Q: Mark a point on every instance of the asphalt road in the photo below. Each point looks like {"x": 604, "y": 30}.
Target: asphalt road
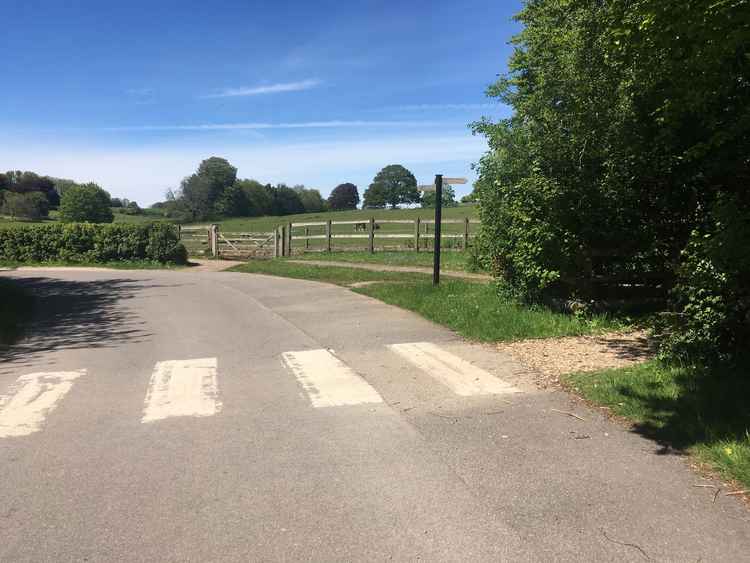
{"x": 177, "y": 416}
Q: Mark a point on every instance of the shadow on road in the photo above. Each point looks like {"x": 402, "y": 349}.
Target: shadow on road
{"x": 78, "y": 314}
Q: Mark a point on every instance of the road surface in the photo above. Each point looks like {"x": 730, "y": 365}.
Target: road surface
{"x": 178, "y": 416}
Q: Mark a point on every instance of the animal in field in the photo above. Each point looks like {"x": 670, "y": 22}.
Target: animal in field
{"x": 363, "y": 227}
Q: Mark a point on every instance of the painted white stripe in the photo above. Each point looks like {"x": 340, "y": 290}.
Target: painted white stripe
{"x": 328, "y": 381}
{"x": 462, "y": 377}
{"x": 32, "y": 398}
{"x": 182, "y": 388}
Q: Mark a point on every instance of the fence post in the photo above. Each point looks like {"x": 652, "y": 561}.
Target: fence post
{"x": 328, "y": 235}
{"x": 276, "y": 242}
{"x": 307, "y": 238}
{"x": 213, "y": 236}
{"x": 283, "y": 240}
{"x": 372, "y": 235}
{"x": 466, "y": 233}
{"x": 289, "y": 244}
{"x": 417, "y": 222}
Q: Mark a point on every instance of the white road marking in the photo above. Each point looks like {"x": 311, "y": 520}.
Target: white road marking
{"x": 182, "y": 388}
{"x": 328, "y": 381}
{"x": 32, "y": 398}
{"x": 462, "y": 377}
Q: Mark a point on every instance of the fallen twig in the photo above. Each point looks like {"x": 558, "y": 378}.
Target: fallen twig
{"x": 569, "y": 414}
{"x": 634, "y": 546}
{"x": 745, "y": 492}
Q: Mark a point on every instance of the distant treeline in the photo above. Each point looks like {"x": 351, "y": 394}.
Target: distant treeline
{"x": 215, "y": 191}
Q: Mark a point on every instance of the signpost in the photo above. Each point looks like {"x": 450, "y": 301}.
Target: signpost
{"x": 437, "y": 187}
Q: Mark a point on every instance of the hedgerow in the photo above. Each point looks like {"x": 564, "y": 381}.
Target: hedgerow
{"x": 86, "y": 243}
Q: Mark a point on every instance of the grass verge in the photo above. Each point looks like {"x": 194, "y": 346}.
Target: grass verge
{"x": 329, "y": 274}
{"x": 16, "y": 307}
{"x": 701, "y": 411}
{"x": 475, "y": 311}
{"x": 453, "y": 261}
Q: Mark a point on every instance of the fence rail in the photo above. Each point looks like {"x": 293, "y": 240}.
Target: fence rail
{"x": 379, "y": 234}
{"x": 326, "y": 236}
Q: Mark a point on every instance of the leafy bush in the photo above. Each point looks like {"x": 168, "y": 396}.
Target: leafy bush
{"x": 32, "y": 205}
{"x": 86, "y": 204}
{"x": 82, "y": 242}
{"x": 712, "y": 294}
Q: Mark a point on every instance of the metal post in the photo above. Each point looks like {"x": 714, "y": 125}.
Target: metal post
{"x": 307, "y": 238}
{"x": 289, "y": 244}
{"x": 328, "y": 235}
{"x": 417, "y": 222}
{"x": 283, "y": 240}
{"x": 276, "y": 242}
{"x": 466, "y": 233}
{"x": 438, "y": 228}
{"x": 372, "y": 235}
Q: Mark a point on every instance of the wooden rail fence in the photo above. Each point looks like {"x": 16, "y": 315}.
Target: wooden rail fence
{"x": 383, "y": 234}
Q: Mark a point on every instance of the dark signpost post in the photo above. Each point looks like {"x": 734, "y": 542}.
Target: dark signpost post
{"x": 438, "y": 188}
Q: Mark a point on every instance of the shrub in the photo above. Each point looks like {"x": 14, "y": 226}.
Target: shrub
{"x": 86, "y": 204}
{"x": 82, "y": 242}
{"x": 32, "y": 205}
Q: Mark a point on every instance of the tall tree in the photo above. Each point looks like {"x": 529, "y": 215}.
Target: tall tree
{"x": 395, "y": 184}
{"x": 343, "y": 197}
{"x": 311, "y": 199}
{"x": 87, "y": 203}
{"x": 449, "y": 197}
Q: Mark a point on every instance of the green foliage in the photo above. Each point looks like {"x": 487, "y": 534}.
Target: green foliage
{"x": 311, "y": 199}
{"x": 30, "y": 182}
{"x": 631, "y": 125}
{"x": 85, "y": 242}
{"x": 201, "y": 191}
{"x": 393, "y": 185}
{"x": 344, "y": 196}
{"x": 258, "y": 197}
{"x": 449, "y": 198}
{"x": 285, "y": 200}
{"x": 87, "y": 203}
{"x": 31, "y": 205}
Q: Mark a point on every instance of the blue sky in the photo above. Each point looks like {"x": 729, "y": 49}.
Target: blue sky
{"x": 134, "y": 94}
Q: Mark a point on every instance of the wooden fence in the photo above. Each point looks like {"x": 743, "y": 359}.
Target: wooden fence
{"x": 210, "y": 241}
{"x": 371, "y": 235}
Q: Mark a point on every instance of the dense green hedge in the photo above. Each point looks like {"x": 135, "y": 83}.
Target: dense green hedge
{"x": 84, "y": 242}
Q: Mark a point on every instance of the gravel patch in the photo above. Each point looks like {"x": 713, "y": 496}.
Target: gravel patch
{"x": 553, "y": 357}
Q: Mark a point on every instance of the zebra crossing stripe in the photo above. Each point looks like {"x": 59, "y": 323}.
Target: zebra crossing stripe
{"x": 328, "y": 381}
{"x": 462, "y": 377}
{"x": 182, "y": 388}
{"x": 33, "y": 397}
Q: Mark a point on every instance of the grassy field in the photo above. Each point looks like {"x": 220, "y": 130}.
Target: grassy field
{"x": 453, "y": 261}
{"x": 269, "y": 223}
{"x": 696, "y": 410}
{"x": 148, "y": 216}
{"x": 16, "y": 307}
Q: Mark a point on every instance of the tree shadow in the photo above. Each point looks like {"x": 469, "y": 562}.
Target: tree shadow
{"x": 77, "y": 315}
{"x": 711, "y": 404}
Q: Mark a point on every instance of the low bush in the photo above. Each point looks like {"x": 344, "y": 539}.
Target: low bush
{"x": 83, "y": 242}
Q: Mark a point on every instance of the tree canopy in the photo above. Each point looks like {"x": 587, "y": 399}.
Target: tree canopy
{"x": 394, "y": 185}
{"x": 344, "y": 197}
{"x": 630, "y": 136}
{"x": 87, "y": 203}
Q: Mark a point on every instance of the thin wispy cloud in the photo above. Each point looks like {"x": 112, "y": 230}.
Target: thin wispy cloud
{"x": 261, "y": 126}
{"x": 436, "y": 107}
{"x": 266, "y": 89}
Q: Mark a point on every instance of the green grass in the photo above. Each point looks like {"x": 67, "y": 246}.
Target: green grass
{"x": 696, "y": 410}
{"x": 16, "y": 306}
{"x": 475, "y": 311}
{"x": 329, "y": 274}
{"x": 453, "y": 261}
{"x": 269, "y": 223}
